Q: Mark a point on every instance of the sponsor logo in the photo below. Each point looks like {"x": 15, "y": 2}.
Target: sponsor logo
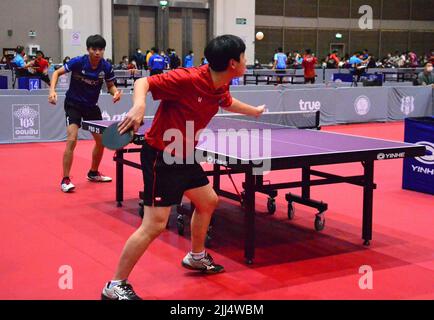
{"x": 427, "y": 159}
{"x": 309, "y": 105}
{"x": 26, "y": 121}
{"x": 117, "y": 117}
{"x": 387, "y": 156}
{"x": 407, "y": 105}
{"x": 362, "y": 105}
{"x": 101, "y": 75}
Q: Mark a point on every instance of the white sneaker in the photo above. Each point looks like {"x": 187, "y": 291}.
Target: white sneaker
{"x": 66, "y": 185}
{"x": 98, "y": 177}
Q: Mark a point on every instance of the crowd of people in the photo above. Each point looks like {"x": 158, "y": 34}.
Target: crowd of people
{"x": 407, "y": 59}
{"x": 357, "y": 63}
{"x": 156, "y": 61}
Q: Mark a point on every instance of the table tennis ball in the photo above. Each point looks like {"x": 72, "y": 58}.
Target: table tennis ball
{"x": 259, "y": 36}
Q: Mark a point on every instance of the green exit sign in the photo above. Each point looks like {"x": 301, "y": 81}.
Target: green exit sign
{"x": 241, "y": 21}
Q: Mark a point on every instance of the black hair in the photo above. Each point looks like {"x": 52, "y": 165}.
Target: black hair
{"x": 155, "y": 49}
{"x": 95, "y": 41}
{"x": 40, "y": 52}
{"x": 222, "y": 49}
{"x": 308, "y": 51}
{"x": 19, "y": 49}
{"x": 280, "y": 49}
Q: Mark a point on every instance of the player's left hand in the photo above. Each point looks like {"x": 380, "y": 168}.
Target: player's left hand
{"x": 117, "y": 96}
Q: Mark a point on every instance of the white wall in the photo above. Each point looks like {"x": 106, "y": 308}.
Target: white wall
{"x": 21, "y": 17}
{"x": 89, "y": 17}
{"x": 225, "y": 15}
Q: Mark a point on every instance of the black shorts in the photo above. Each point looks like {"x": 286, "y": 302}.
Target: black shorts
{"x": 155, "y": 71}
{"x": 309, "y": 80}
{"x": 164, "y": 184}
{"x": 75, "y": 113}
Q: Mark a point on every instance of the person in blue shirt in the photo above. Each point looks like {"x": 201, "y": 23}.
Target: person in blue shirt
{"x": 279, "y": 65}
{"x": 357, "y": 66}
{"x": 88, "y": 75}
{"x": 20, "y": 64}
{"x": 189, "y": 60}
{"x": 156, "y": 63}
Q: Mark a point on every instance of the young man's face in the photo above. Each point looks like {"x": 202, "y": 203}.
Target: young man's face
{"x": 96, "y": 53}
{"x": 240, "y": 67}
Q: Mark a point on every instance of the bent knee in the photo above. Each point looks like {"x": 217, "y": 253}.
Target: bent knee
{"x": 210, "y": 204}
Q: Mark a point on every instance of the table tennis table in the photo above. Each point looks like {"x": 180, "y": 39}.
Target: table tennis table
{"x": 273, "y": 77}
{"x": 402, "y": 74}
{"x": 289, "y": 148}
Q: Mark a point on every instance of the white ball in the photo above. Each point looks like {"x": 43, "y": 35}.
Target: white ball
{"x": 259, "y": 36}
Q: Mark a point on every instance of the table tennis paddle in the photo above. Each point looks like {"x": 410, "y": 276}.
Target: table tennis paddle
{"x": 113, "y": 140}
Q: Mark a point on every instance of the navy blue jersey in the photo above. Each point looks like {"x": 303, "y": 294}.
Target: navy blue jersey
{"x": 86, "y": 83}
{"x": 156, "y": 62}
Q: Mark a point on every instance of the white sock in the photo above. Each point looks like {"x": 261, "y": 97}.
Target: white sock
{"x": 114, "y": 283}
{"x": 198, "y": 256}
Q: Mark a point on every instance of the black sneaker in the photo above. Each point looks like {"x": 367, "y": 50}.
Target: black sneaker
{"x": 121, "y": 291}
{"x": 205, "y": 265}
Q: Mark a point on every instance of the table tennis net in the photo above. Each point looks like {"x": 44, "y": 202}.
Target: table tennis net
{"x": 272, "y": 120}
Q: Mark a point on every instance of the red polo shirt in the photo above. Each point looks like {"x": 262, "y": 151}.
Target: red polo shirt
{"x": 186, "y": 95}
{"x": 309, "y": 63}
{"x": 41, "y": 65}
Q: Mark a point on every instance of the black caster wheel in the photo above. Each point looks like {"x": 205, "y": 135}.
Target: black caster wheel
{"x": 319, "y": 223}
{"x": 119, "y": 204}
{"x": 271, "y": 206}
{"x": 291, "y": 211}
{"x": 180, "y": 225}
{"x": 141, "y": 212}
{"x": 249, "y": 262}
{"x": 367, "y": 243}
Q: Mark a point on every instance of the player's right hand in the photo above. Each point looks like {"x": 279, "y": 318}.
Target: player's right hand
{"x": 133, "y": 119}
{"x": 52, "y": 97}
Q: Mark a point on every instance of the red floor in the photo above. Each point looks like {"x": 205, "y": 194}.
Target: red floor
{"x": 44, "y": 229}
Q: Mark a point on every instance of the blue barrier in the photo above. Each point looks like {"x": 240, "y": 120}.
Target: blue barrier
{"x": 29, "y": 83}
{"x": 3, "y": 82}
{"x": 419, "y": 172}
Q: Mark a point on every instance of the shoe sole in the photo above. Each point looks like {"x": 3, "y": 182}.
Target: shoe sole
{"x": 105, "y": 298}
{"x": 69, "y": 190}
{"x": 205, "y": 271}
{"x": 98, "y": 181}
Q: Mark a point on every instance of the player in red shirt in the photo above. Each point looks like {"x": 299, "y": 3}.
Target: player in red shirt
{"x": 308, "y": 64}
{"x": 40, "y": 67}
{"x": 193, "y": 94}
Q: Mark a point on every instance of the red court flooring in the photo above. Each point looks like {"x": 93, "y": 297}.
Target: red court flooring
{"x": 44, "y": 229}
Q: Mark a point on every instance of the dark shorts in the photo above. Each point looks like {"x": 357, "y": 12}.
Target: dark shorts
{"x": 155, "y": 71}
{"x": 309, "y": 80}
{"x": 164, "y": 184}
{"x": 75, "y": 113}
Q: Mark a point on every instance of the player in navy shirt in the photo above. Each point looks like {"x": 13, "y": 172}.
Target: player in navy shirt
{"x": 156, "y": 63}
{"x": 88, "y": 75}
